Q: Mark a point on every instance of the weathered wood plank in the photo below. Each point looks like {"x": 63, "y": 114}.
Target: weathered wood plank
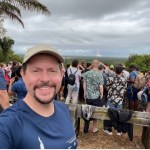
{"x": 138, "y": 118}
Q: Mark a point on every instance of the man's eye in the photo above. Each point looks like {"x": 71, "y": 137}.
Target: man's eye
{"x": 52, "y": 70}
{"x": 35, "y": 71}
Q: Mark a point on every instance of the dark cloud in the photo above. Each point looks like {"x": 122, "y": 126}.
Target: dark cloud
{"x": 84, "y": 27}
{"x": 88, "y": 9}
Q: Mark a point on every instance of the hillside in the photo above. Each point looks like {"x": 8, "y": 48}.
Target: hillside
{"x": 108, "y": 60}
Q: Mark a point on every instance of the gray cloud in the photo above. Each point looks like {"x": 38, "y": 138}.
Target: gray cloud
{"x": 84, "y": 27}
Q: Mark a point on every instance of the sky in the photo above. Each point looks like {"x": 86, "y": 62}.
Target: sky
{"x": 104, "y": 28}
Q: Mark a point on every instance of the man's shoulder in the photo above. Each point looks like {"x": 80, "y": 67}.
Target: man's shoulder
{"x": 125, "y": 72}
{"x": 88, "y": 73}
{"x": 72, "y": 69}
{"x": 10, "y": 115}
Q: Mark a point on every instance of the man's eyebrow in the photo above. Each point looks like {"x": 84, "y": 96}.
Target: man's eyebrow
{"x": 46, "y": 68}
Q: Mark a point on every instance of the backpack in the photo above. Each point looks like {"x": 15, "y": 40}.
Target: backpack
{"x": 145, "y": 96}
{"x": 148, "y": 83}
{"x": 140, "y": 81}
{"x": 72, "y": 77}
{"x": 105, "y": 78}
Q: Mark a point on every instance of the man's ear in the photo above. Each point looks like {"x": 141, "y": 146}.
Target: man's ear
{"x": 22, "y": 72}
{"x": 63, "y": 72}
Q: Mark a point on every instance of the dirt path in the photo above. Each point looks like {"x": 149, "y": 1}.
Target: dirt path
{"x": 101, "y": 140}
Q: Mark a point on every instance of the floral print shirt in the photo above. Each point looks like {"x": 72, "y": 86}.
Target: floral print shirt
{"x": 117, "y": 87}
{"x": 93, "y": 79}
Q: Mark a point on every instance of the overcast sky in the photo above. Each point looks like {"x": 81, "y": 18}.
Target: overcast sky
{"x": 110, "y": 28}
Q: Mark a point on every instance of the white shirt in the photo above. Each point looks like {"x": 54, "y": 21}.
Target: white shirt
{"x": 77, "y": 74}
{"x": 125, "y": 74}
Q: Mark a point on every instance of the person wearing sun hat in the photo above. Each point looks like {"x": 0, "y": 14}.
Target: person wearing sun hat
{"x": 38, "y": 121}
{"x": 111, "y": 67}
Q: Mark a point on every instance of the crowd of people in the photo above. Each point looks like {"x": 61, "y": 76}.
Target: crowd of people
{"x": 42, "y": 78}
{"x": 108, "y": 86}
{"x": 119, "y": 87}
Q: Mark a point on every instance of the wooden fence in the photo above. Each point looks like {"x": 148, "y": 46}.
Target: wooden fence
{"x": 138, "y": 118}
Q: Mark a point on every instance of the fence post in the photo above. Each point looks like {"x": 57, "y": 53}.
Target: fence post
{"x": 146, "y": 137}
{"x": 75, "y": 120}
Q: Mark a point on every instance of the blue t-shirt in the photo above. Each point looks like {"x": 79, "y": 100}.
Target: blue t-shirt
{"x": 2, "y": 81}
{"x": 132, "y": 74}
{"x": 19, "y": 88}
{"x": 22, "y": 128}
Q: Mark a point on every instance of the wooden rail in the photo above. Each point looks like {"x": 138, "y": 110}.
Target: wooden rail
{"x": 138, "y": 118}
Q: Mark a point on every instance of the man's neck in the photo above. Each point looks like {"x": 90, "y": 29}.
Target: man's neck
{"x": 45, "y": 110}
{"x": 95, "y": 69}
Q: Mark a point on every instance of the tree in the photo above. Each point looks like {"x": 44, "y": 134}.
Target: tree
{"x": 11, "y": 8}
{"x": 14, "y": 56}
{"x": 6, "y": 44}
{"x": 141, "y": 61}
{"x": 2, "y": 29}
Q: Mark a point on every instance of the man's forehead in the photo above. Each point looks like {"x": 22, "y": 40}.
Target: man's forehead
{"x": 39, "y": 57}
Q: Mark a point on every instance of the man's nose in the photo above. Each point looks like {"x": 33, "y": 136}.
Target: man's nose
{"x": 45, "y": 76}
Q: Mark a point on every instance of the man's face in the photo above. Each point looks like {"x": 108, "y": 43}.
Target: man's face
{"x": 43, "y": 78}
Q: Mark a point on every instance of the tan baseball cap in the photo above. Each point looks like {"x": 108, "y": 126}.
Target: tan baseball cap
{"x": 40, "y": 49}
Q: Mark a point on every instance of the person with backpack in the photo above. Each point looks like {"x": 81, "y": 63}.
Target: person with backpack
{"x": 144, "y": 97}
{"x": 140, "y": 81}
{"x": 132, "y": 90}
{"x": 74, "y": 76}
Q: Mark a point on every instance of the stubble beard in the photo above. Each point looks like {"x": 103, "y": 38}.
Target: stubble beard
{"x": 41, "y": 101}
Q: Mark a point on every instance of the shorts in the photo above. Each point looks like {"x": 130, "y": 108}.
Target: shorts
{"x": 111, "y": 105}
{"x": 94, "y": 102}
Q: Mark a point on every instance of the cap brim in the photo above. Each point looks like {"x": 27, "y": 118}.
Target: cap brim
{"x": 42, "y": 49}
